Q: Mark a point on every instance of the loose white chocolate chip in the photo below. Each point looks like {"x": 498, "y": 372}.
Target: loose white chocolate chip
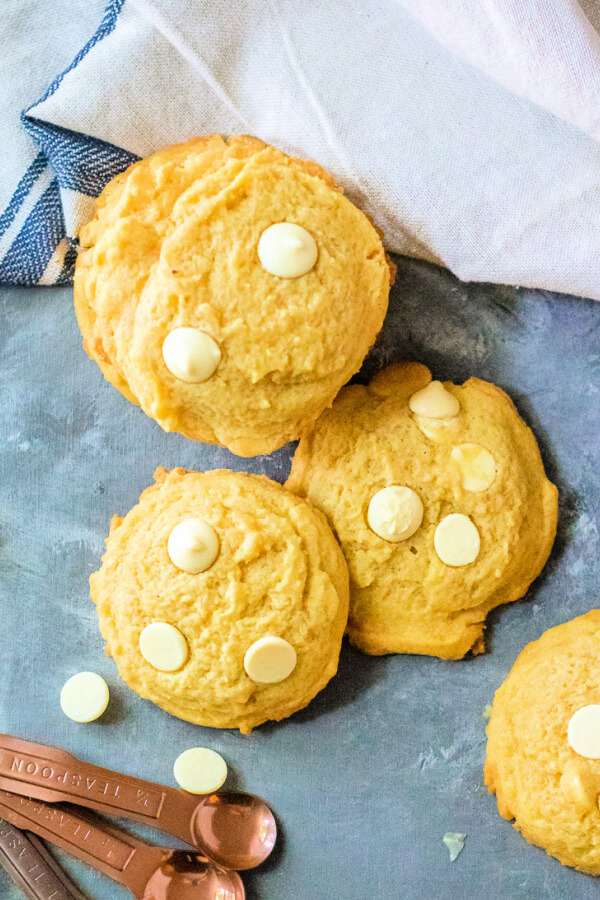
{"x": 477, "y": 466}
{"x": 287, "y": 250}
{"x": 395, "y": 513}
{"x": 164, "y": 647}
{"x": 270, "y": 660}
{"x": 84, "y": 697}
{"x": 583, "y": 732}
{"x": 193, "y": 546}
{"x": 190, "y": 354}
{"x": 434, "y": 402}
{"x": 200, "y": 770}
{"x": 456, "y": 540}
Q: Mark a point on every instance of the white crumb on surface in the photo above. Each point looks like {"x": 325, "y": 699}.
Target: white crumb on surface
{"x": 454, "y": 841}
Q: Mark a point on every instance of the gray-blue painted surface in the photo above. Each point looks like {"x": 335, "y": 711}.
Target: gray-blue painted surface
{"x": 389, "y": 757}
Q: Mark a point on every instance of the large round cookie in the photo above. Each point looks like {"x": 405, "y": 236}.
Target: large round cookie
{"x": 540, "y": 780}
{"x": 279, "y": 573}
{"x": 474, "y": 474}
{"x": 175, "y": 244}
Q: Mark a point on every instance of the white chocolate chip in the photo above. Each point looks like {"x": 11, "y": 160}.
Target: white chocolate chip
{"x": 477, "y": 466}
{"x": 270, "y": 660}
{"x": 164, "y": 647}
{"x": 200, "y": 770}
{"x": 434, "y": 402}
{"x": 457, "y": 540}
{"x": 442, "y": 431}
{"x": 287, "y": 250}
{"x": 580, "y": 786}
{"x": 84, "y": 697}
{"x": 190, "y": 354}
{"x": 583, "y": 732}
{"x": 193, "y": 546}
{"x": 395, "y": 513}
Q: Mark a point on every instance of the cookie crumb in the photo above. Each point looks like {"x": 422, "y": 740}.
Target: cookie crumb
{"x": 454, "y": 841}
{"x": 487, "y": 713}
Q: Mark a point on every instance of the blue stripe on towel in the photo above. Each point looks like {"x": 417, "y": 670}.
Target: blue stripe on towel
{"x": 32, "y": 249}
{"x": 24, "y": 186}
{"x": 81, "y": 163}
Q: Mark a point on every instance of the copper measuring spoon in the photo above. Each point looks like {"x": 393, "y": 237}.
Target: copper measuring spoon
{"x": 150, "y": 873}
{"x": 32, "y": 868}
{"x": 236, "y": 830}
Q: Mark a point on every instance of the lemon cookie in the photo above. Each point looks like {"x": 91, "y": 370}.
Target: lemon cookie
{"x": 229, "y": 290}
{"x": 223, "y": 598}
{"x": 438, "y": 496}
{"x": 543, "y": 753}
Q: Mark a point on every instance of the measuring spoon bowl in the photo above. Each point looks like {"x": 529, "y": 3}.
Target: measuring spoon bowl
{"x": 150, "y": 873}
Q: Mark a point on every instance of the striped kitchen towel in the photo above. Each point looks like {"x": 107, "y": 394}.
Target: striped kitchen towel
{"x": 470, "y": 132}
{"x": 54, "y": 197}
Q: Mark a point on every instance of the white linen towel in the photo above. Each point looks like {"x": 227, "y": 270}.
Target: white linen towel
{"x": 468, "y": 130}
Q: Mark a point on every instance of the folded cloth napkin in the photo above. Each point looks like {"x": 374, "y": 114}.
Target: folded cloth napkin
{"x": 468, "y": 130}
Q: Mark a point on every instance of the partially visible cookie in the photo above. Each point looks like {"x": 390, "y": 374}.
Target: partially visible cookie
{"x": 230, "y": 290}
{"x": 543, "y": 752}
{"x": 438, "y": 497}
{"x": 223, "y": 598}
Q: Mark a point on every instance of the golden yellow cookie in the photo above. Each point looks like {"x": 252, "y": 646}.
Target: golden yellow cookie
{"x": 175, "y": 244}
{"x": 251, "y": 629}
{"x": 438, "y": 497}
{"x": 547, "y": 707}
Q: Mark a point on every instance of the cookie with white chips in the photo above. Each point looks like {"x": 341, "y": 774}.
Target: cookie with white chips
{"x": 543, "y": 752}
{"x": 438, "y": 496}
{"x": 222, "y": 598}
{"x": 230, "y": 290}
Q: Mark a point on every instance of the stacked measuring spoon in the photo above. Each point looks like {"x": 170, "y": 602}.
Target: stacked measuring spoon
{"x": 229, "y": 830}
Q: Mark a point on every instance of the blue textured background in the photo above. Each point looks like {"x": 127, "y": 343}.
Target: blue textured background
{"x": 389, "y": 756}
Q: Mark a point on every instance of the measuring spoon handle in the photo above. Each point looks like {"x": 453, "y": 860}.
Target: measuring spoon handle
{"x": 123, "y": 858}
{"x": 32, "y": 868}
{"x": 52, "y": 775}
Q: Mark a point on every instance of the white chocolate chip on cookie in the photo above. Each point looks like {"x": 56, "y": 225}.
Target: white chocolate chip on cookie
{"x": 190, "y": 354}
{"x": 434, "y": 402}
{"x": 287, "y": 250}
{"x": 579, "y": 786}
{"x": 440, "y": 431}
{"x": 270, "y": 660}
{"x": 457, "y": 540}
{"x": 583, "y": 732}
{"x": 164, "y": 647}
{"x": 395, "y": 513}
{"x": 477, "y": 466}
{"x": 193, "y": 546}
